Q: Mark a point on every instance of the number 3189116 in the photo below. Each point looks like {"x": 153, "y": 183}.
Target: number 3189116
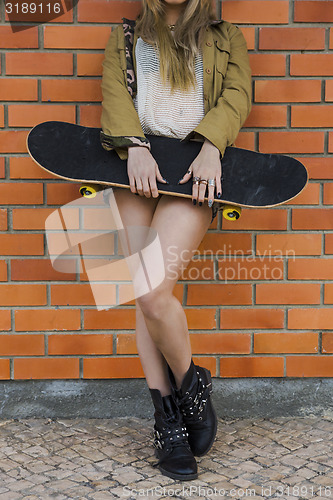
{"x": 32, "y": 8}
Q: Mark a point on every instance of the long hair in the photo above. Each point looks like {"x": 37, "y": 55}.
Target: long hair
{"x": 177, "y": 53}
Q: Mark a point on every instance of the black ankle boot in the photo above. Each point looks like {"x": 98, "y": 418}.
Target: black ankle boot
{"x": 193, "y": 399}
{"x": 176, "y": 459}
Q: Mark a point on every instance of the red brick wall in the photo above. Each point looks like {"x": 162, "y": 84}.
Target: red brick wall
{"x": 267, "y": 311}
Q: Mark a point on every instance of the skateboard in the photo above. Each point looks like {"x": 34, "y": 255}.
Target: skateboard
{"x": 249, "y": 179}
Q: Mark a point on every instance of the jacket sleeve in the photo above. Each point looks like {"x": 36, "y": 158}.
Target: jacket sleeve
{"x": 120, "y": 122}
{"x": 223, "y": 122}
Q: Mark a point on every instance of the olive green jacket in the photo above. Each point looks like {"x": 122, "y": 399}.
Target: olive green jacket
{"x": 226, "y": 83}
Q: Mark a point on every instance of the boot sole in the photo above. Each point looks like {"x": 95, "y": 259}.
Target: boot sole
{"x": 180, "y": 477}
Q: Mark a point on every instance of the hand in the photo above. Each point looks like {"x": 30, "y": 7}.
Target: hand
{"x": 143, "y": 171}
{"x": 207, "y": 165}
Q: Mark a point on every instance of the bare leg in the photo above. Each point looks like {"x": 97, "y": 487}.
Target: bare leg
{"x": 181, "y": 227}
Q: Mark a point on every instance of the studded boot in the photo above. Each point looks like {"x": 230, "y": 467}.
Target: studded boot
{"x": 176, "y": 459}
{"x": 193, "y": 400}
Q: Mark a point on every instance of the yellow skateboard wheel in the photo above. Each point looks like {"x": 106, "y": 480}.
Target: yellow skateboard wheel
{"x": 89, "y": 190}
{"x": 231, "y": 212}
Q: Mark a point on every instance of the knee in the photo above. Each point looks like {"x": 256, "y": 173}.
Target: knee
{"x": 154, "y": 304}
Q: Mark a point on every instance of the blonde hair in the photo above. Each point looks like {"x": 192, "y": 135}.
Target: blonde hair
{"x": 177, "y": 53}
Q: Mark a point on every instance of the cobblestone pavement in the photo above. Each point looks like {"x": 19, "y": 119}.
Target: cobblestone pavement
{"x": 101, "y": 459}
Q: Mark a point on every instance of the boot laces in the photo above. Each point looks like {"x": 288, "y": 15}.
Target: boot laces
{"x": 192, "y": 407}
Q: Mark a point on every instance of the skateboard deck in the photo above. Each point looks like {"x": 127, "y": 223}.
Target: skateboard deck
{"x": 249, "y": 179}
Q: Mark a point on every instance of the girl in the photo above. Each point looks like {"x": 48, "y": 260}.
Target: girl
{"x": 177, "y": 72}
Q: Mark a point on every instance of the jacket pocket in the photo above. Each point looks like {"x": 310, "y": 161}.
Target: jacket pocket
{"x": 222, "y": 56}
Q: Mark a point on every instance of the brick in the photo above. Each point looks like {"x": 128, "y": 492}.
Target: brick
{"x": 21, "y": 345}
{"x": 311, "y": 269}
{"x": 290, "y": 342}
{"x": 245, "y": 140}
{"x": 46, "y": 368}
{"x": 267, "y": 116}
{"x": 258, "y": 219}
{"x": 312, "y": 116}
{"x": 112, "y": 368}
{"x": 26, "y": 168}
{"x": 288, "y": 244}
{"x": 3, "y": 219}
{"x": 5, "y": 320}
{"x": 311, "y": 64}
{"x": 330, "y": 142}
{"x": 71, "y": 90}
{"x": 13, "y": 141}
{"x": 291, "y": 142}
{"x": 61, "y": 193}
{"x": 329, "y": 91}
{"x": 47, "y": 319}
{"x": 251, "y": 366}
{"x": 21, "y": 193}
{"x": 309, "y": 196}
{"x": 81, "y": 294}
{"x": 198, "y": 319}
{"x": 2, "y": 168}
{"x": 318, "y": 168}
{"x": 328, "y": 194}
{"x": 288, "y": 293}
{"x": 220, "y": 343}
{"x": 80, "y": 344}
{"x": 103, "y": 12}
{"x": 126, "y": 343}
{"x": 2, "y": 116}
{"x": 291, "y": 38}
{"x": 255, "y": 11}
{"x": 250, "y": 37}
{"x": 250, "y": 269}
{"x": 30, "y": 115}
{"x": 90, "y": 115}
{"x": 287, "y": 91}
{"x": 328, "y": 293}
{"x": 327, "y": 342}
{"x": 76, "y": 37}
{"x": 89, "y": 64}
{"x": 3, "y": 270}
{"x": 34, "y": 218}
{"x": 29, "y": 63}
{"x": 199, "y": 269}
{"x": 216, "y": 294}
{"x": 313, "y": 11}
{"x": 4, "y": 369}
{"x": 309, "y": 218}
{"x": 268, "y": 64}
{"x": 23, "y": 295}
{"x": 114, "y": 319}
{"x": 314, "y": 319}
{"x": 24, "y": 39}
{"x": 329, "y": 244}
{"x": 18, "y": 89}
{"x": 22, "y": 244}
{"x": 225, "y": 244}
{"x": 37, "y": 270}
{"x": 309, "y": 366}
{"x": 251, "y": 318}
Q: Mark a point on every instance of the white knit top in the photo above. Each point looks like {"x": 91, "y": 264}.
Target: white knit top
{"x": 160, "y": 111}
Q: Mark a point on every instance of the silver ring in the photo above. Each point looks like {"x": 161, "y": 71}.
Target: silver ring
{"x": 211, "y": 182}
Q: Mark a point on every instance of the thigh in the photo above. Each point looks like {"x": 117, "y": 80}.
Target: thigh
{"x": 181, "y": 227}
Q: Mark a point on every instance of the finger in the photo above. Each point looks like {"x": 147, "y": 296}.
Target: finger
{"x": 146, "y": 188}
{"x": 211, "y": 190}
{"x": 202, "y": 192}
{"x": 218, "y": 186}
{"x": 195, "y": 192}
{"x": 132, "y": 184}
{"x": 186, "y": 177}
{"x": 153, "y": 187}
{"x": 159, "y": 176}
{"x": 139, "y": 186}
